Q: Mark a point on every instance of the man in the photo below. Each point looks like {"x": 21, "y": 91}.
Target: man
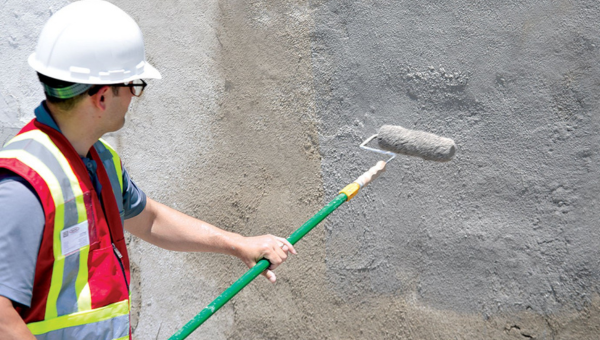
{"x": 65, "y": 197}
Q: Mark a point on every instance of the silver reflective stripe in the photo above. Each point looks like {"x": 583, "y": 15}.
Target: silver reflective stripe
{"x": 109, "y": 164}
{"x": 41, "y": 152}
{"x": 67, "y": 299}
{"x": 110, "y": 329}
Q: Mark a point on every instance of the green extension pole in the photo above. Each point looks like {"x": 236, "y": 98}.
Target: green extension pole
{"x": 345, "y": 195}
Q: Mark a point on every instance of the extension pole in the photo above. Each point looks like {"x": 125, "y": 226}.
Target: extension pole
{"x": 345, "y": 195}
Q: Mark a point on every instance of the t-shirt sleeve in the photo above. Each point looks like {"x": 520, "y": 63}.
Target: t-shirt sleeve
{"x": 21, "y": 232}
{"x": 134, "y": 199}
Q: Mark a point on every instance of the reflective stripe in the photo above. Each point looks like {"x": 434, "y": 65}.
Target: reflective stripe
{"x": 116, "y": 163}
{"x": 116, "y": 328}
{"x": 67, "y": 298}
{"x": 48, "y": 144}
{"x": 69, "y": 291}
{"x": 113, "y": 319}
{"x": 38, "y": 150}
{"x": 56, "y": 193}
{"x": 112, "y": 164}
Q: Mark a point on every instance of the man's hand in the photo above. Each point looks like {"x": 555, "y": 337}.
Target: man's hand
{"x": 11, "y": 324}
{"x": 173, "y": 230}
{"x": 275, "y": 249}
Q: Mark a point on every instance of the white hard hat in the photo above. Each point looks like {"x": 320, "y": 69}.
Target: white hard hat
{"x": 92, "y": 42}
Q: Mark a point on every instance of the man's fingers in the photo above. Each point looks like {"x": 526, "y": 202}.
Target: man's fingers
{"x": 276, "y": 258}
{"x": 274, "y": 249}
{"x": 270, "y": 275}
{"x": 280, "y": 252}
{"x": 287, "y": 246}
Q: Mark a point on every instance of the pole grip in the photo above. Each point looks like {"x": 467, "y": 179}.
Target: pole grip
{"x": 371, "y": 174}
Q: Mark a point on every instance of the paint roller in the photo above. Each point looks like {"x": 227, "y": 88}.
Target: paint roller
{"x": 422, "y": 144}
{"x": 392, "y": 140}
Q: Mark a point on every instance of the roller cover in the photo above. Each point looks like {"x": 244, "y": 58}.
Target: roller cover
{"x": 416, "y": 143}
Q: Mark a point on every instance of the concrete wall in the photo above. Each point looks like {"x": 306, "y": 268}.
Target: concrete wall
{"x": 255, "y": 127}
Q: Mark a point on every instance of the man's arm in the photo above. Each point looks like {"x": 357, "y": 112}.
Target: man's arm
{"x": 21, "y": 232}
{"x": 173, "y": 230}
{"x": 11, "y": 324}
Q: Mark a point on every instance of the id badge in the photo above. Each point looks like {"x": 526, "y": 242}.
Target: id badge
{"x": 74, "y": 238}
{"x": 82, "y": 234}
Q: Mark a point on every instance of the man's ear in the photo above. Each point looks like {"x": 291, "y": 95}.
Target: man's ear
{"x": 99, "y": 99}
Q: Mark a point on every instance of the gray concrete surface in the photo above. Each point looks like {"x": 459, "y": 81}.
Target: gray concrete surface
{"x": 255, "y": 126}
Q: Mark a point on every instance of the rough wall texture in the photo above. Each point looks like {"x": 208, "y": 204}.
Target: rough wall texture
{"x": 511, "y": 225}
{"x": 256, "y": 125}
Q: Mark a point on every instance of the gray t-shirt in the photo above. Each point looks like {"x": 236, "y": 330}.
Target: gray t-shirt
{"x": 21, "y": 228}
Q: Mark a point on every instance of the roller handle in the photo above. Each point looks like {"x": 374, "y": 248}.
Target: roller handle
{"x": 352, "y": 189}
{"x": 371, "y": 174}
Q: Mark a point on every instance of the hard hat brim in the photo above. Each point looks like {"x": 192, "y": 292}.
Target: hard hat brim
{"x": 150, "y": 72}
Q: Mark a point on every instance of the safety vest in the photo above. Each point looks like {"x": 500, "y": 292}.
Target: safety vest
{"x": 81, "y": 285}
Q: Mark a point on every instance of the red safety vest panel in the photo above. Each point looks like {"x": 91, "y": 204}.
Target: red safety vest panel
{"x": 81, "y": 285}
